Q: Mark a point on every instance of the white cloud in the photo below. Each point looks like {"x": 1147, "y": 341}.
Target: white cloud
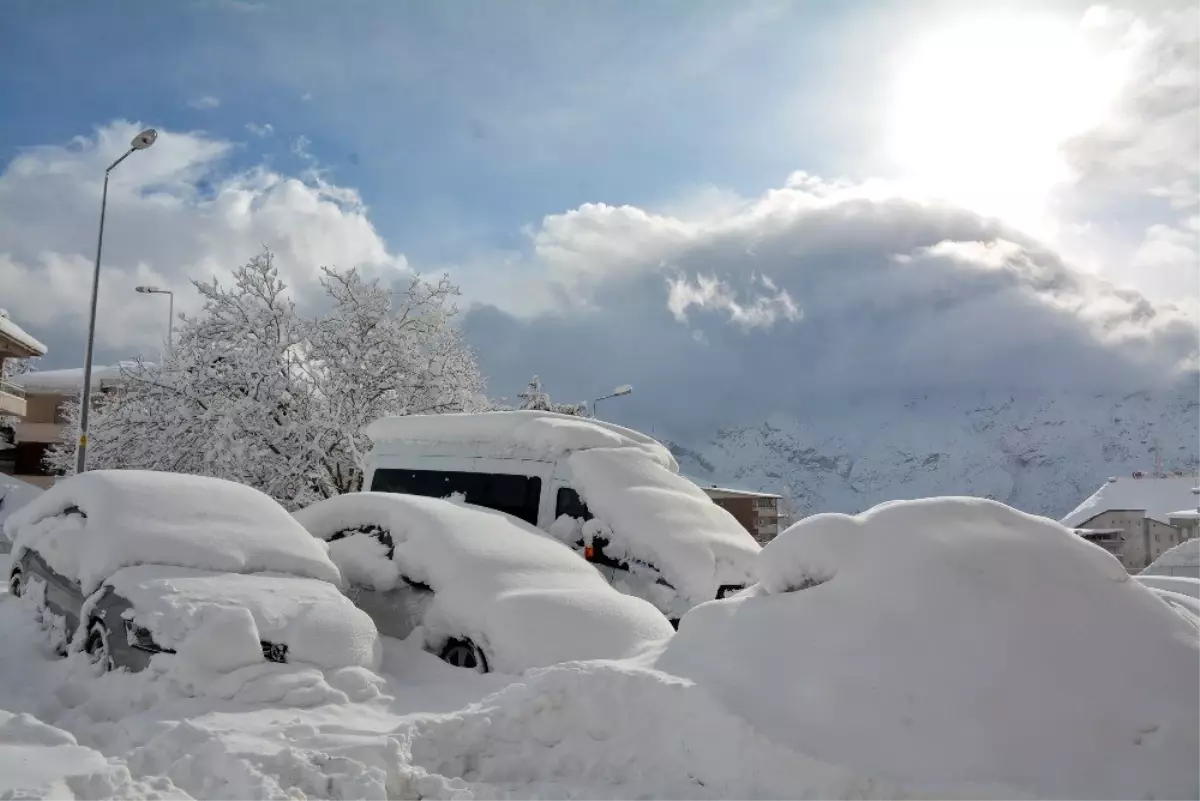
{"x": 174, "y": 213}
{"x": 710, "y": 292}
{"x": 205, "y": 102}
{"x": 264, "y": 130}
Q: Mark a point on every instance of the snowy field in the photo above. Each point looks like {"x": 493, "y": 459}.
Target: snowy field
{"x": 945, "y": 648}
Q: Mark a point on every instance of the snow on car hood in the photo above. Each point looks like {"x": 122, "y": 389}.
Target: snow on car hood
{"x": 528, "y": 599}
{"x": 143, "y": 517}
{"x": 222, "y": 617}
{"x": 957, "y": 639}
{"x": 657, "y": 516}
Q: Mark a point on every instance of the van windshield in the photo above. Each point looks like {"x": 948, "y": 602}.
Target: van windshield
{"x": 514, "y": 495}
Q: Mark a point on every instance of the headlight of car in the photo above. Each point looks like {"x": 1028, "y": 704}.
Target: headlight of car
{"x": 140, "y": 637}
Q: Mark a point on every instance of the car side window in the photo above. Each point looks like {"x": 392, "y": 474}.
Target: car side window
{"x": 516, "y": 495}
{"x": 567, "y": 502}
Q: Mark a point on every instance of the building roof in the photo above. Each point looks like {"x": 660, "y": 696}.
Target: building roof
{"x": 18, "y": 335}
{"x": 1154, "y": 497}
{"x": 726, "y": 492}
{"x": 67, "y": 381}
{"x": 1186, "y": 514}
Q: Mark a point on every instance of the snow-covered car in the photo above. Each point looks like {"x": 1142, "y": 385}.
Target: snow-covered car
{"x": 953, "y": 641}
{"x": 613, "y": 494}
{"x": 126, "y": 564}
{"x": 489, "y": 591}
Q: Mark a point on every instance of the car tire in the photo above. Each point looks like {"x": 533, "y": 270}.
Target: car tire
{"x": 16, "y": 582}
{"x": 461, "y": 652}
{"x": 96, "y": 645}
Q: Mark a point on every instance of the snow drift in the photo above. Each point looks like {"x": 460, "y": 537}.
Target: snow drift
{"x": 134, "y": 517}
{"x": 958, "y": 640}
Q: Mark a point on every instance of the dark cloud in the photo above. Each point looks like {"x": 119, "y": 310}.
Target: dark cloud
{"x": 895, "y": 299}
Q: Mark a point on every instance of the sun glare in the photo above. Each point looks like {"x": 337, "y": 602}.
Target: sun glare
{"x": 982, "y": 107}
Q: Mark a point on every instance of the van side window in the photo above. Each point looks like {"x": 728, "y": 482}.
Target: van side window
{"x": 570, "y": 504}
{"x": 514, "y": 495}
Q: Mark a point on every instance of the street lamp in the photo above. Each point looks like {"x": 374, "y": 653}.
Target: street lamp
{"x": 153, "y": 290}
{"x": 624, "y": 389}
{"x": 140, "y": 142}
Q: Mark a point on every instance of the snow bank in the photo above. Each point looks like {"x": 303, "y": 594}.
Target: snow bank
{"x": 522, "y": 596}
{"x": 1157, "y": 496}
{"x": 14, "y": 494}
{"x": 142, "y": 517}
{"x": 957, "y": 639}
{"x": 1182, "y": 560}
{"x": 659, "y": 517}
{"x": 217, "y": 620}
{"x": 545, "y": 434}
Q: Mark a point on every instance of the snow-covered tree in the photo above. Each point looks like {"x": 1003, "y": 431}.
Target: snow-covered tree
{"x": 257, "y": 393}
{"x": 536, "y": 398}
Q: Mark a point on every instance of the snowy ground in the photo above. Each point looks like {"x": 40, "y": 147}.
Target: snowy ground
{"x": 572, "y": 731}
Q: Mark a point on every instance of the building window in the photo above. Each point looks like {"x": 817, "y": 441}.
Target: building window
{"x": 765, "y": 503}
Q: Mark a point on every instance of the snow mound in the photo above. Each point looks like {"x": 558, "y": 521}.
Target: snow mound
{"x": 1182, "y": 560}
{"x": 138, "y": 517}
{"x": 14, "y": 494}
{"x": 661, "y": 518}
{"x": 546, "y": 434}
{"x": 958, "y": 640}
{"x": 521, "y": 595}
{"x": 217, "y": 620}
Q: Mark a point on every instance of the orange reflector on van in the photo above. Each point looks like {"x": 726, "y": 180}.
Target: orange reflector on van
{"x": 589, "y": 552}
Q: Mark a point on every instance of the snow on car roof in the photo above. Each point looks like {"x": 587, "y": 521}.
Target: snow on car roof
{"x": 1157, "y": 497}
{"x": 139, "y": 517}
{"x": 661, "y": 518}
{"x": 541, "y": 433}
{"x": 514, "y": 585}
{"x": 1186, "y": 554}
{"x": 956, "y": 639}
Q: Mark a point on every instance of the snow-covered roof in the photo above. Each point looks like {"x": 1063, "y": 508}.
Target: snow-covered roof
{"x": 524, "y": 597}
{"x": 68, "y": 380}
{"x": 872, "y": 639}
{"x": 137, "y": 517}
{"x": 18, "y": 334}
{"x": 545, "y": 434}
{"x": 728, "y": 492}
{"x": 1157, "y": 497}
{"x": 1186, "y": 554}
{"x": 1186, "y": 514}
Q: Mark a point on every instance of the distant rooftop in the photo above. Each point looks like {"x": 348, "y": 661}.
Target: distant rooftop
{"x": 69, "y": 380}
{"x": 1155, "y": 497}
{"x": 714, "y": 491}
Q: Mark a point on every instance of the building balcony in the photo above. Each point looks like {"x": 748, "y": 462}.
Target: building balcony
{"x": 12, "y": 399}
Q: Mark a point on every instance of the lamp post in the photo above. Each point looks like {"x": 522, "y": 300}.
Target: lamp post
{"x": 153, "y": 290}
{"x": 140, "y": 142}
{"x": 620, "y": 391}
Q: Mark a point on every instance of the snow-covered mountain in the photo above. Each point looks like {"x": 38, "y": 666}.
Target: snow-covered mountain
{"x": 1040, "y": 454}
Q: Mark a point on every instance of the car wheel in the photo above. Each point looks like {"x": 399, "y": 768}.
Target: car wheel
{"x": 461, "y": 652}
{"x": 16, "y": 582}
{"x": 96, "y": 645}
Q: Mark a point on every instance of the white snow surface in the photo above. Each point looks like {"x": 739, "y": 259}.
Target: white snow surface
{"x": 15, "y": 332}
{"x": 534, "y": 433}
{"x": 69, "y": 379}
{"x": 960, "y": 640}
{"x": 137, "y": 517}
{"x": 659, "y": 517}
{"x": 525, "y": 598}
{"x": 1158, "y": 497}
{"x": 320, "y": 626}
{"x": 1182, "y": 560}
{"x": 15, "y": 493}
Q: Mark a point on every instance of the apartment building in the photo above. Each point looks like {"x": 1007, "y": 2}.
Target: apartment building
{"x": 758, "y": 512}
{"x": 15, "y": 343}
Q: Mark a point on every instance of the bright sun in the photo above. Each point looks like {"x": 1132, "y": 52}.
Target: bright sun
{"x": 982, "y": 106}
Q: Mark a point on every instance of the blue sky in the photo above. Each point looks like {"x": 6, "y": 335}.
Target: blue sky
{"x": 672, "y": 191}
{"x": 458, "y": 123}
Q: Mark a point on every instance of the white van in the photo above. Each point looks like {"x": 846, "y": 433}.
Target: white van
{"x": 612, "y": 493}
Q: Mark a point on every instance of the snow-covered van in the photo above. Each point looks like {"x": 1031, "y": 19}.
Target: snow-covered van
{"x": 612, "y": 493}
